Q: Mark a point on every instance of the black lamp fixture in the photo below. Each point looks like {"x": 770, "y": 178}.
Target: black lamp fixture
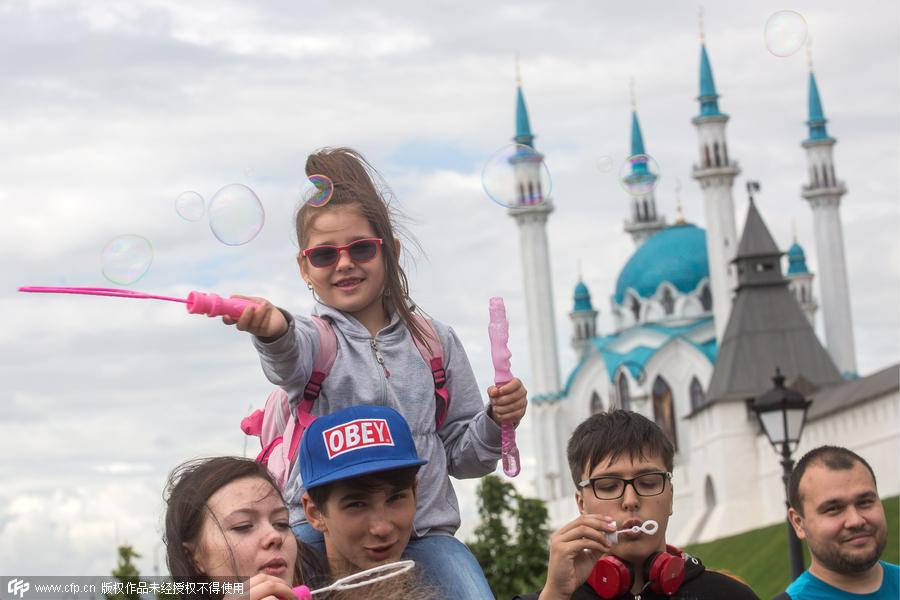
{"x": 782, "y": 415}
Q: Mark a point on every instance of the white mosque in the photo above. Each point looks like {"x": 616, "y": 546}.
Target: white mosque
{"x": 702, "y": 319}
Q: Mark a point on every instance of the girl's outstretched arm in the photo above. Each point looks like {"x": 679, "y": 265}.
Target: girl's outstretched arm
{"x": 264, "y": 320}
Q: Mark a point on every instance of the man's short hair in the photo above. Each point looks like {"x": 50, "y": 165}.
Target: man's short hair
{"x": 394, "y": 479}
{"x": 834, "y": 458}
{"x": 606, "y": 436}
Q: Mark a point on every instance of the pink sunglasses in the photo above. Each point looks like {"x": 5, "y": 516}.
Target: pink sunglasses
{"x": 360, "y": 251}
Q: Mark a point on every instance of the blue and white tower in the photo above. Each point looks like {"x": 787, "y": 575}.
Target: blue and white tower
{"x": 530, "y": 214}
{"x": 715, "y": 173}
{"x": 824, "y": 192}
{"x": 800, "y": 281}
{"x": 584, "y": 318}
{"x": 644, "y": 220}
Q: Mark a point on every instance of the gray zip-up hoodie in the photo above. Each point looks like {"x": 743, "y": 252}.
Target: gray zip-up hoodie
{"x": 466, "y": 446}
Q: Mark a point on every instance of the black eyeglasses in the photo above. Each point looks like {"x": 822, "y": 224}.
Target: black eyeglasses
{"x": 608, "y": 487}
{"x": 360, "y": 251}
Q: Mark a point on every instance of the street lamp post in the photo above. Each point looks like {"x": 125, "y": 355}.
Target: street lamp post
{"x": 782, "y": 415}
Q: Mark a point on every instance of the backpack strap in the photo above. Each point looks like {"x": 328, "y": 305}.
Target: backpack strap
{"x": 322, "y": 364}
{"x": 432, "y": 352}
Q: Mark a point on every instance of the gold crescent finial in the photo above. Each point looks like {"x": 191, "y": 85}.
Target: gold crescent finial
{"x": 679, "y": 209}
{"x": 700, "y": 19}
{"x": 518, "y": 72}
{"x": 809, "y": 53}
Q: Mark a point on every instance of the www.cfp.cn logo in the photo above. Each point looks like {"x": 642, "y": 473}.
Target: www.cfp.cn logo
{"x": 17, "y": 587}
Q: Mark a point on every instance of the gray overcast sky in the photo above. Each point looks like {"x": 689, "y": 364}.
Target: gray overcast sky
{"x": 111, "y": 109}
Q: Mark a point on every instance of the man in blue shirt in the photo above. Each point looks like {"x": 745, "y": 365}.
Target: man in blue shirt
{"x": 835, "y": 507}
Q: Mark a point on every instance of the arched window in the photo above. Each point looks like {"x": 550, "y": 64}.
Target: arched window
{"x": 802, "y": 294}
{"x": 716, "y": 153}
{"x": 664, "y": 408}
{"x": 596, "y": 403}
{"x": 521, "y": 194}
{"x": 833, "y": 178}
{"x": 622, "y": 391}
{"x": 710, "y": 493}
{"x": 706, "y": 156}
{"x": 725, "y": 153}
{"x": 531, "y": 198}
{"x": 636, "y": 308}
{"x": 668, "y": 301}
{"x": 706, "y": 298}
{"x": 814, "y": 178}
{"x": 697, "y": 395}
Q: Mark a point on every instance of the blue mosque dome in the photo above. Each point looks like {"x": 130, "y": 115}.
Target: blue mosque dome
{"x": 582, "y": 298}
{"x": 676, "y": 255}
{"x": 796, "y": 260}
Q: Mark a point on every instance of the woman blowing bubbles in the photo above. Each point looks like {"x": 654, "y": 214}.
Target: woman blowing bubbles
{"x": 226, "y": 522}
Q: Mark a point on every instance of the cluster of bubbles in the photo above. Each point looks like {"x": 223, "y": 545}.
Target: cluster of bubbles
{"x": 236, "y": 216}
{"x": 517, "y": 176}
{"x": 785, "y": 32}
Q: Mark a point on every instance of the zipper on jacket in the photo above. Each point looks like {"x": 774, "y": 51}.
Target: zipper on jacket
{"x": 379, "y": 357}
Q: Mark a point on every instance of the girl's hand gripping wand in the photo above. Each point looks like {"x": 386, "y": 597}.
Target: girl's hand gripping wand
{"x": 498, "y": 331}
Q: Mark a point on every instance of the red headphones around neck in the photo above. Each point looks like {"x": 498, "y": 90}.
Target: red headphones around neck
{"x": 664, "y": 571}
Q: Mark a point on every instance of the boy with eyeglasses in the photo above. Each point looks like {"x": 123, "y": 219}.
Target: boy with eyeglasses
{"x": 621, "y": 464}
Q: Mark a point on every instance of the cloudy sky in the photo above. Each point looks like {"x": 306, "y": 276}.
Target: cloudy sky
{"x": 112, "y": 109}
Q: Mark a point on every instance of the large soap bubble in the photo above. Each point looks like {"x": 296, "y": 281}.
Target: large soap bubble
{"x": 236, "y": 215}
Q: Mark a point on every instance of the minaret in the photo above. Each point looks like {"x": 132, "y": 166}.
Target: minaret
{"x": 716, "y": 173}
{"x": 584, "y": 318}
{"x": 644, "y": 220}
{"x": 800, "y": 281}
{"x": 530, "y": 215}
{"x": 824, "y": 193}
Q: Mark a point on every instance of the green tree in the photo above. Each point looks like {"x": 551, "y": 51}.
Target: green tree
{"x": 126, "y": 572}
{"x": 514, "y": 562}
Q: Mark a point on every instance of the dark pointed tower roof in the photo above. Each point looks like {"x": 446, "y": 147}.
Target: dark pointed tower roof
{"x": 767, "y": 328}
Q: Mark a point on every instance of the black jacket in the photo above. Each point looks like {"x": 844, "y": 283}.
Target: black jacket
{"x": 699, "y": 584}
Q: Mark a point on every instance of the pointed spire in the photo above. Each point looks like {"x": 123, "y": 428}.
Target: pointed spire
{"x": 756, "y": 240}
{"x": 709, "y": 99}
{"x": 817, "y": 120}
{"x": 523, "y": 127}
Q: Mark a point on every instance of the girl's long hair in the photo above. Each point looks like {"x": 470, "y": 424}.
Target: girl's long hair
{"x": 358, "y": 185}
{"x": 188, "y": 490}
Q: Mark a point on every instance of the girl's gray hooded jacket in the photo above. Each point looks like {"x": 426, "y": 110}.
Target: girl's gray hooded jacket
{"x": 466, "y": 446}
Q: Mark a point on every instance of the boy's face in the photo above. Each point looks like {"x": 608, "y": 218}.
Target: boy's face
{"x": 631, "y": 508}
{"x": 363, "y": 529}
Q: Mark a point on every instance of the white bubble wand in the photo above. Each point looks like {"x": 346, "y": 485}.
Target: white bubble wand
{"x": 367, "y": 577}
{"x": 648, "y": 527}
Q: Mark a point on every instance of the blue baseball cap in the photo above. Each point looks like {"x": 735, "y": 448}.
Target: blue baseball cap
{"x": 355, "y": 441}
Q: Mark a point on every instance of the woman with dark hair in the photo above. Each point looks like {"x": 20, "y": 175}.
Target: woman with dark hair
{"x": 226, "y": 521}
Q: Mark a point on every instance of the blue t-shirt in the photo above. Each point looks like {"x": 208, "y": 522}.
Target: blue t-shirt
{"x": 810, "y": 587}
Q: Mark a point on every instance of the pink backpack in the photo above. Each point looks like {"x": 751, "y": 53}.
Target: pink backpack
{"x": 279, "y": 432}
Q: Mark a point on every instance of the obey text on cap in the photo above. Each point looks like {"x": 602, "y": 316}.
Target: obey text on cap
{"x": 355, "y": 435}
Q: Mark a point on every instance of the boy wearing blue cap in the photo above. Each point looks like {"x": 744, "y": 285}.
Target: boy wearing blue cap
{"x": 359, "y": 468}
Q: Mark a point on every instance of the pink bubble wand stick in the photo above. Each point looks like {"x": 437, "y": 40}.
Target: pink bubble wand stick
{"x": 201, "y": 303}
{"x": 498, "y": 331}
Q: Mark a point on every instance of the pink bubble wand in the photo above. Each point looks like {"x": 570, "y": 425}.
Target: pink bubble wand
{"x": 201, "y": 303}
{"x": 498, "y": 331}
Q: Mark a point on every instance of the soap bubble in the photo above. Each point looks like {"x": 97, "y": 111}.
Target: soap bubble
{"x": 517, "y": 176}
{"x": 236, "y": 215}
{"x": 639, "y": 174}
{"x": 126, "y": 258}
{"x": 190, "y": 206}
{"x": 785, "y": 32}
{"x": 605, "y": 164}
{"x": 317, "y": 190}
